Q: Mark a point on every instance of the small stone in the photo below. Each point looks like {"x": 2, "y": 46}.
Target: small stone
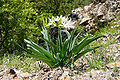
{"x": 102, "y": 1}
{"x": 112, "y": 74}
{"x": 65, "y": 76}
{"x": 77, "y": 64}
{"x": 93, "y": 72}
{"x": 84, "y": 20}
{"x": 115, "y": 49}
{"x": 112, "y": 65}
{"x": 100, "y": 14}
{"x": 25, "y": 75}
{"x": 46, "y": 69}
{"x": 117, "y": 56}
{"x": 118, "y": 49}
{"x": 108, "y": 55}
{"x": 14, "y": 76}
{"x": 1, "y": 74}
{"x": 11, "y": 71}
{"x": 75, "y": 71}
{"x": 87, "y": 8}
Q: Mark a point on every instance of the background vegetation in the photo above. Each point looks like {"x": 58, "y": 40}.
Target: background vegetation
{"x": 20, "y": 19}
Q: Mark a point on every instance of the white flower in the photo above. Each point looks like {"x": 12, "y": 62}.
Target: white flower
{"x": 57, "y": 18}
{"x": 53, "y": 20}
{"x": 67, "y": 23}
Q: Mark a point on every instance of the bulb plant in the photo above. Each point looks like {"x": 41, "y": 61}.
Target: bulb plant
{"x": 61, "y": 53}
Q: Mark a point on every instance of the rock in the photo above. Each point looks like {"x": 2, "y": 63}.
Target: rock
{"x": 100, "y": 14}
{"x": 25, "y": 75}
{"x": 102, "y": 1}
{"x": 77, "y": 11}
{"x": 73, "y": 16}
{"x": 115, "y": 50}
{"x": 108, "y": 55}
{"x": 118, "y": 49}
{"x": 109, "y": 18}
{"x": 102, "y": 8}
{"x": 77, "y": 64}
{"x": 85, "y": 20}
{"x": 93, "y": 72}
{"x": 11, "y": 71}
{"x": 65, "y": 76}
{"x": 1, "y": 74}
{"x": 87, "y": 8}
{"x": 14, "y": 76}
{"x": 112, "y": 65}
{"x": 117, "y": 57}
{"x": 46, "y": 69}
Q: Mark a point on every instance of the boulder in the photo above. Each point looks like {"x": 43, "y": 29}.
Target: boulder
{"x": 99, "y": 13}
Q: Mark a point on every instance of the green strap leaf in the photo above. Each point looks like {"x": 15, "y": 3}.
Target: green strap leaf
{"x": 84, "y": 43}
{"x": 50, "y": 63}
{"x": 64, "y": 49}
{"x": 40, "y": 49}
{"x": 50, "y": 42}
{"x": 77, "y": 47}
{"x": 68, "y": 34}
{"x": 84, "y": 52}
{"x": 60, "y": 39}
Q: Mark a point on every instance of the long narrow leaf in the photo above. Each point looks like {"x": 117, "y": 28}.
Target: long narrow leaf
{"x": 60, "y": 39}
{"x": 68, "y": 46}
{"x": 52, "y": 47}
{"x": 71, "y": 38}
{"x": 64, "y": 50}
{"x": 84, "y": 52}
{"x": 50, "y": 63}
{"x": 42, "y": 50}
{"x": 39, "y": 53}
{"x": 77, "y": 47}
{"x": 50, "y": 42}
{"x": 84, "y": 43}
{"x": 68, "y": 34}
{"x": 74, "y": 30}
{"x": 37, "y": 56}
{"x": 45, "y": 35}
{"x": 73, "y": 42}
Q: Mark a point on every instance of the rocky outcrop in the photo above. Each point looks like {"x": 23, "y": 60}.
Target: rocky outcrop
{"x": 96, "y": 14}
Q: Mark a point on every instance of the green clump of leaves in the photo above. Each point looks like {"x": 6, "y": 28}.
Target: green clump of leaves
{"x": 62, "y": 52}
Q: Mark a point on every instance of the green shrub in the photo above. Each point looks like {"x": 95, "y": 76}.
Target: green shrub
{"x": 60, "y": 7}
{"x": 18, "y": 20}
{"x": 21, "y": 19}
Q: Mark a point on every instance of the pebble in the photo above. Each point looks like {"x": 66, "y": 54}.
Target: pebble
{"x": 65, "y": 76}
{"x": 11, "y": 71}
{"x": 25, "y": 75}
{"x": 112, "y": 65}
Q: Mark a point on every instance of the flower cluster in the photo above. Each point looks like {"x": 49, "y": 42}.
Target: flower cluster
{"x": 61, "y": 22}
